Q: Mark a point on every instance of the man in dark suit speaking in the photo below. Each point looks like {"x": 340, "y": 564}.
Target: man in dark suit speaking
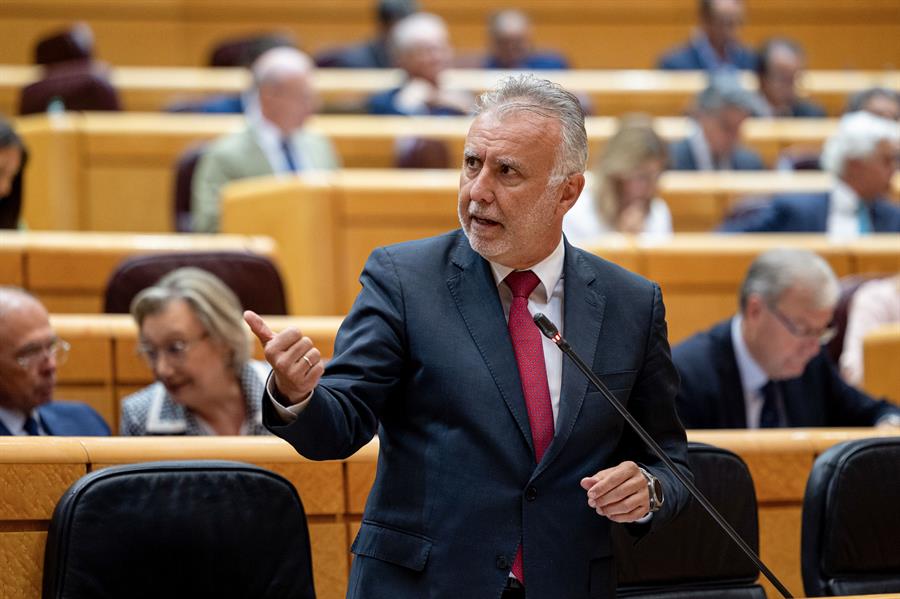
{"x": 499, "y": 468}
{"x": 765, "y": 367}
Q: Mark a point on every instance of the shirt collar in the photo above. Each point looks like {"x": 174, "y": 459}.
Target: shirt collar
{"x": 843, "y": 198}
{"x": 549, "y": 270}
{"x": 14, "y": 420}
{"x": 752, "y": 375}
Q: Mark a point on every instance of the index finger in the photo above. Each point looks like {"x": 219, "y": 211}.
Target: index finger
{"x": 605, "y": 480}
{"x": 258, "y": 326}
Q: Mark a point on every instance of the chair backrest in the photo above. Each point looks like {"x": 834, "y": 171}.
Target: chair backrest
{"x": 78, "y": 86}
{"x": 252, "y": 277}
{"x": 691, "y": 558}
{"x": 421, "y": 152}
{"x": 185, "y": 165}
{"x": 850, "y": 539}
{"x": 241, "y": 52}
{"x": 179, "y": 529}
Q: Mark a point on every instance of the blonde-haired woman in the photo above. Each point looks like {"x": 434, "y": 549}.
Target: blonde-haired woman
{"x": 623, "y": 196}
{"x": 192, "y": 335}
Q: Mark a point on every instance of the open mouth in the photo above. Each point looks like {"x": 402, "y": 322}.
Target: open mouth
{"x": 484, "y": 222}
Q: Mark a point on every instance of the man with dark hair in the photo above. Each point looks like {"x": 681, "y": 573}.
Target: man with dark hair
{"x": 511, "y": 46}
{"x": 29, "y": 354}
{"x": 879, "y": 101}
{"x": 766, "y": 367}
{"x": 781, "y": 63}
{"x": 375, "y": 53}
{"x": 499, "y": 469}
{"x": 715, "y": 45}
{"x": 12, "y": 166}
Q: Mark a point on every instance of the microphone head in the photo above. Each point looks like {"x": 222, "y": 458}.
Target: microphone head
{"x": 547, "y": 328}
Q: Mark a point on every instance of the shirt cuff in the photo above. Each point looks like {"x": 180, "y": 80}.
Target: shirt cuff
{"x": 287, "y": 414}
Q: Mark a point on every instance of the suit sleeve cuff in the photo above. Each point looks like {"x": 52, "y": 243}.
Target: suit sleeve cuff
{"x": 287, "y": 413}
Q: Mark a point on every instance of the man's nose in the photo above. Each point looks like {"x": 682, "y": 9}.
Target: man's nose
{"x": 482, "y": 187}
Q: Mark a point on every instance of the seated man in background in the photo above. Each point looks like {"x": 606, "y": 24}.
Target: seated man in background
{"x": 274, "y": 140}
{"x": 375, "y": 53}
{"x": 875, "y": 303}
{"x": 862, "y": 155}
{"x": 192, "y": 335}
{"x": 766, "y": 366}
{"x": 715, "y": 45}
{"x": 879, "y": 101}
{"x": 714, "y": 142}
{"x": 781, "y": 63}
{"x": 12, "y": 166}
{"x": 422, "y": 49}
{"x": 511, "y": 45}
{"x": 29, "y": 353}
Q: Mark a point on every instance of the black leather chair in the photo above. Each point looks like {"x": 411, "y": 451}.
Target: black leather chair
{"x": 421, "y": 152}
{"x": 185, "y": 165}
{"x": 78, "y": 85}
{"x": 850, "y": 540}
{"x": 253, "y": 278}
{"x": 849, "y": 285}
{"x": 691, "y": 558}
{"x": 187, "y": 529}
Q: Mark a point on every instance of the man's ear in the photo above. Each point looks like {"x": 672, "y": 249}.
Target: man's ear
{"x": 570, "y": 192}
{"x": 754, "y": 307}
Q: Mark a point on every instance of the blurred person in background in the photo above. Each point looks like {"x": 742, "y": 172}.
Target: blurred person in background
{"x": 421, "y": 47}
{"x": 715, "y": 45}
{"x": 12, "y": 166}
{"x": 874, "y": 304}
{"x": 714, "y": 141}
{"x": 623, "y": 197}
{"x": 193, "y": 337}
{"x": 879, "y": 101}
{"x": 374, "y": 53}
{"x": 511, "y": 45}
{"x": 781, "y": 64}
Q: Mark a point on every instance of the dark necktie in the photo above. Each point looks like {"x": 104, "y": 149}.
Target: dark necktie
{"x": 526, "y": 339}
{"x": 31, "y": 426}
{"x": 769, "y": 417}
{"x": 288, "y": 151}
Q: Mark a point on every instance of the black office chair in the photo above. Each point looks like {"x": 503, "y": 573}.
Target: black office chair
{"x": 189, "y": 529}
{"x": 850, "y": 540}
{"x": 253, "y": 278}
{"x": 691, "y": 558}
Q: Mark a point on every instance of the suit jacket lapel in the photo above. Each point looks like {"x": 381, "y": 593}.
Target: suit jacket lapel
{"x": 475, "y": 293}
{"x": 583, "y": 309}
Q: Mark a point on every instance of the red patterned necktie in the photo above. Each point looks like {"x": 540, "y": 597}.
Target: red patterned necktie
{"x": 526, "y": 340}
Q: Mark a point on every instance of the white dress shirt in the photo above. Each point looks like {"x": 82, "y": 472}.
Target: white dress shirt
{"x": 269, "y": 137}
{"x": 843, "y": 212}
{"x": 14, "y": 421}
{"x": 584, "y": 223}
{"x": 753, "y": 377}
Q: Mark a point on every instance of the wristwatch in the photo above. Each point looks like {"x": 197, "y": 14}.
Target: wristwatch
{"x": 656, "y": 491}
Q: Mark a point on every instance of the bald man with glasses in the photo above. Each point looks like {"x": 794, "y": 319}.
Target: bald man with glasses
{"x": 765, "y": 367}
{"x": 29, "y": 353}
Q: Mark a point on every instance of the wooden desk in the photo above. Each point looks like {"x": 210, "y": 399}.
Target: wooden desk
{"x": 881, "y": 358}
{"x": 595, "y": 34}
{"x": 609, "y": 92}
{"x": 68, "y": 271}
{"x": 81, "y": 165}
{"x": 37, "y": 471}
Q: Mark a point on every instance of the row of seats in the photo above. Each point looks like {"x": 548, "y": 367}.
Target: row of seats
{"x": 774, "y": 464}
{"x": 599, "y": 34}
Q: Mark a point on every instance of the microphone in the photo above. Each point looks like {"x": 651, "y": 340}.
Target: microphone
{"x": 549, "y": 330}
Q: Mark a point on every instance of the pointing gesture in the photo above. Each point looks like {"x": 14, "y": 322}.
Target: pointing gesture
{"x": 296, "y": 362}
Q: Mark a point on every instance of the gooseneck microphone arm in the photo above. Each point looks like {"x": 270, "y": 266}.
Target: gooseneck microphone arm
{"x": 549, "y": 330}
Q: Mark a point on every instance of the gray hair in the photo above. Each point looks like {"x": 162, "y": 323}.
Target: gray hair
{"x": 214, "y": 304}
{"x": 548, "y": 99}
{"x": 274, "y": 65}
{"x": 416, "y": 28}
{"x": 725, "y": 91}
{"x": 859, "y": 100}
{"x": 857, "y": 136}
{"x": 775, "y": 271}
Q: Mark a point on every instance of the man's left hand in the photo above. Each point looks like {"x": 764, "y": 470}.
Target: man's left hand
{"x": 620, "y": 493}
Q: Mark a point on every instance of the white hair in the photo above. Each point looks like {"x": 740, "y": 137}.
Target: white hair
{"x": 415, "y": 29}
{"x": 278, "y": 63}
{"x": 857, "y": 136}
{"x": 776, "y": 271}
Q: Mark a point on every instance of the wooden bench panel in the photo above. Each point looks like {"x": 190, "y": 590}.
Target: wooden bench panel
{"x": 881, "y": 360}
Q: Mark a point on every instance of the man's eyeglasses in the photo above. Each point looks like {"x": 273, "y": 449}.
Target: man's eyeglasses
{"x": 175, "y": 351}
{"x": 824, "y": 335}
{"x": 32, "y": 356}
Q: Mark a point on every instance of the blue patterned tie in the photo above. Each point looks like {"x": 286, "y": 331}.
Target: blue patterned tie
{"x": 31, "y": 427}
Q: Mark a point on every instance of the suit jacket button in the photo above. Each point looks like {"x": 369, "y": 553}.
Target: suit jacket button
{"x": 530, "y": 494}
{"x": 502, "y": 563}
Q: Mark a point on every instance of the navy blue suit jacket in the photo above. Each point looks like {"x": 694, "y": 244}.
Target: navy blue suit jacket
{"x": 687, "y": 58}
{"x": 808, "y": 213}
{"x": 424, "y": 359}
{"x": 69, "y": 419}
{"x": 383, "y": 103}
{"x": 534, "y": 61}
{"x": 711, "y": 394}
{"x": 682, "y": 159}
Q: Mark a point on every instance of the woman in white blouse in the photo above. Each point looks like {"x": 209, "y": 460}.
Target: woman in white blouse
{"x": 623, "y": 195}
